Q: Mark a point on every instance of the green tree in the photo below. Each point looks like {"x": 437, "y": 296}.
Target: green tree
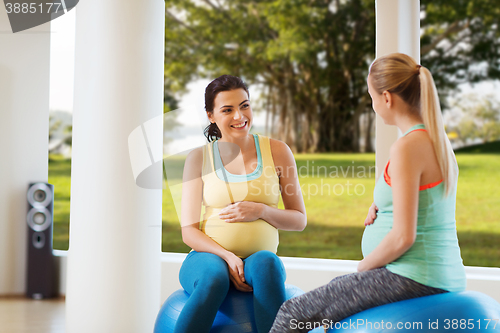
{"x": 60, "y": 130}
{"x": 461, "y": 41}
{"x": 480, "y": 118}
{"x": 311, "y": 57}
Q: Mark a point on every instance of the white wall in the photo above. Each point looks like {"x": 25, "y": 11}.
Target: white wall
{"x": 306, "y": 273}
{"x": 24, "y": 119}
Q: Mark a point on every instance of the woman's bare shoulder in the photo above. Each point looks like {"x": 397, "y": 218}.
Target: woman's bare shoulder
{"x": 194, "y": 161}
{"x": 415, "y": 149}
{"x": 280, "y": 150}
{"x": 195, "y": 154}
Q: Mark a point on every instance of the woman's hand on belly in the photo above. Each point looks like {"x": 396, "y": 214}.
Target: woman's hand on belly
{"x": 372, "y": 214}
{"x": 237, "y": 272}
{"x": 242, "y": 211}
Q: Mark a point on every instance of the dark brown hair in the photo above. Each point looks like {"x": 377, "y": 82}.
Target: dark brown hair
{"x": 222, "y": 83}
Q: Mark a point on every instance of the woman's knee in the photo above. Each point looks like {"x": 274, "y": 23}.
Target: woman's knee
{"x": 265, "y": 263}
{"x": 267, "y": 260}
{"x": 206, "y": 270}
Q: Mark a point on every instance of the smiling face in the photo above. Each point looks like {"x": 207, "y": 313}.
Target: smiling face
{"x": 232, "y": 113}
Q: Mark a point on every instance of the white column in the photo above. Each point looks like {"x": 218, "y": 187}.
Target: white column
{"x": 113, "y": 274}
{"x": 397, "y": 30}
{"x": 24, "y": 124}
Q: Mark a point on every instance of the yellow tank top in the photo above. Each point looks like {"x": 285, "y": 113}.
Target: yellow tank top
{"x": 241, "y": 238}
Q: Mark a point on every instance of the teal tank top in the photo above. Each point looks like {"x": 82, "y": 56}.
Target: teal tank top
{"x": 434, "y": 259}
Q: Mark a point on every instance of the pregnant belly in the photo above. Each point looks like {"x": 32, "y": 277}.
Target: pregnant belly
{"x": 242, "y": 238}
{"x": 374, "y": 234}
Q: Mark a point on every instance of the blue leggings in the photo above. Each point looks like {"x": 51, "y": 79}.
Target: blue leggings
{"x": 205, "y": 277}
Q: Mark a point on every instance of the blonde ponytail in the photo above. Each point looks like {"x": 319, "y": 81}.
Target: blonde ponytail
{"x": 433, "y": 121}
{"x": 399, "y": 74}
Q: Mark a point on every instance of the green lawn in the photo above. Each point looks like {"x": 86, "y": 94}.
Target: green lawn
{"x": 337, "y": 190}
{"x": 60, "y": 177}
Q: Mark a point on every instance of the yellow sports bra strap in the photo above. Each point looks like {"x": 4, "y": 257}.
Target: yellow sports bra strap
{"x": 265, "y": 150}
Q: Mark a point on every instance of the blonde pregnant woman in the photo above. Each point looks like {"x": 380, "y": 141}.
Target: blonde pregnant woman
{"x": 410, "y": 244}
{"x": 238, "y": 178}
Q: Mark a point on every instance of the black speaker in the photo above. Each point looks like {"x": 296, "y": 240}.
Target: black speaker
{"x": 41, "y": 273}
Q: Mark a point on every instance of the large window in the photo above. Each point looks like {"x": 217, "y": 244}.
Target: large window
{"x": 337, "y": 187}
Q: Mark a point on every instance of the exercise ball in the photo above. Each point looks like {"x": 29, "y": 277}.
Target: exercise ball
{"x": 468, "y": 311}
{"x": 235, "y": 315}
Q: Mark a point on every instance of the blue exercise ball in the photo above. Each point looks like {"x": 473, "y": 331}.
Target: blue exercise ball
{"x": 235, "y": 315}
{"x": 468, "y": 311}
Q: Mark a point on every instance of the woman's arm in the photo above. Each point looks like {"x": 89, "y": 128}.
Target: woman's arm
{"x": 293, "y": 217}
{"x": 405, "y": 170}
{"x": 192, "y": 192}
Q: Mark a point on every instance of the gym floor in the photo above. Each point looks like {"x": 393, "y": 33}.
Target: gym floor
{"x": 24, "y": 315}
